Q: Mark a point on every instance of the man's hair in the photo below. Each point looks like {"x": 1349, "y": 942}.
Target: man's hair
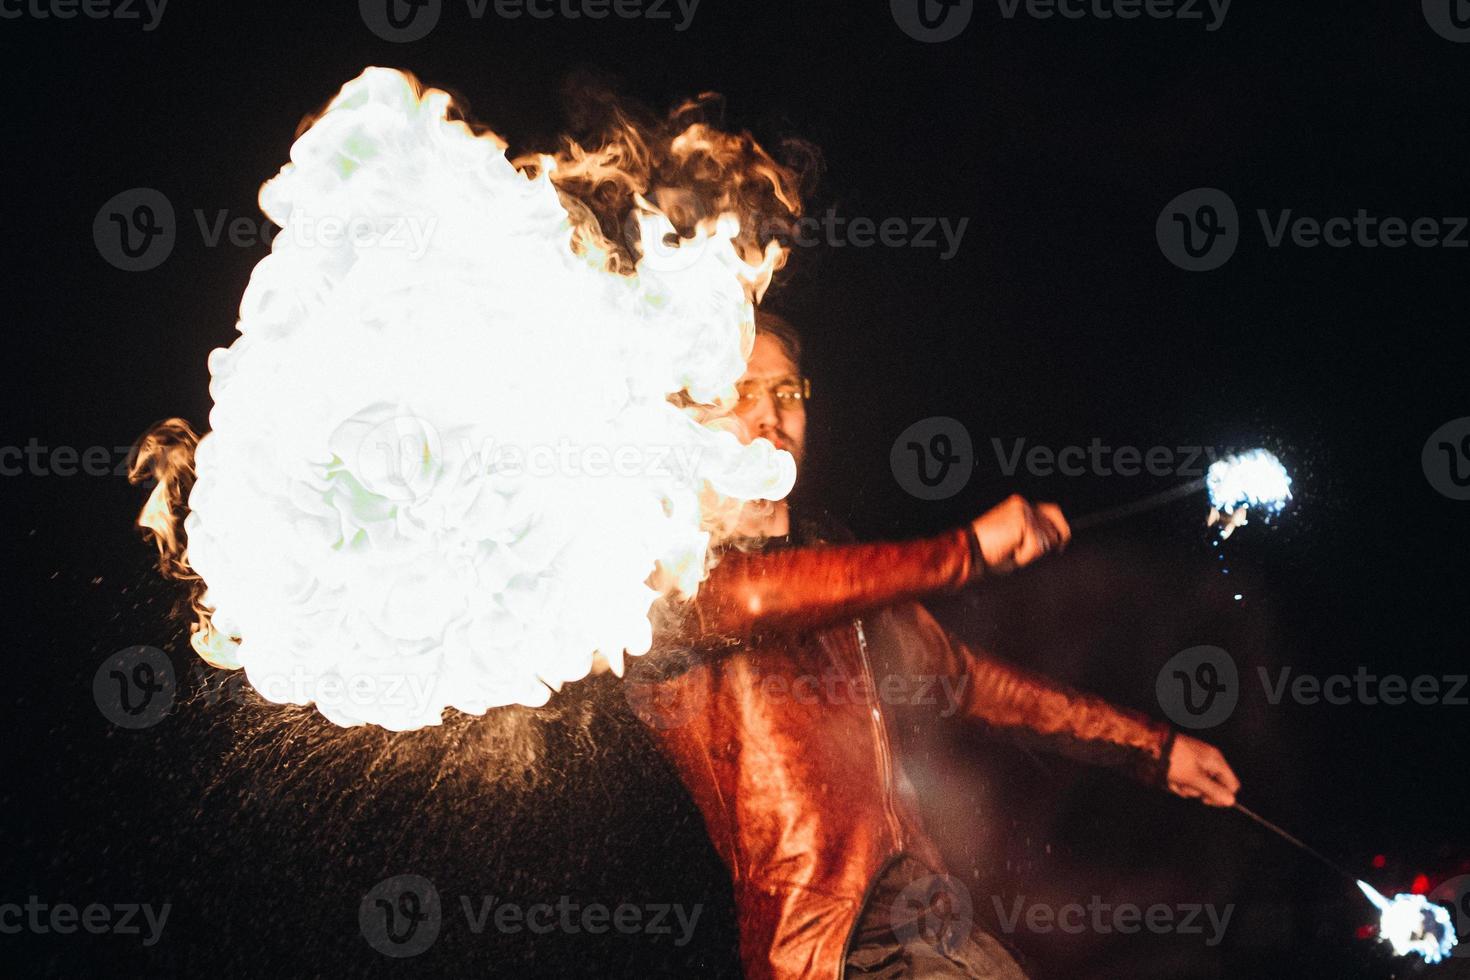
{"x": 783, "y": 332}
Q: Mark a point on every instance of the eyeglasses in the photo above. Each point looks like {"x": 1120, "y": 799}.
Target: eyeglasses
{"x": 789, "y": 392}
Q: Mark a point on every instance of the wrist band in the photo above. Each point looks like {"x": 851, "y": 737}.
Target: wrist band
{"x": 978, "y": 568}
{"x": 1166, "y": 750}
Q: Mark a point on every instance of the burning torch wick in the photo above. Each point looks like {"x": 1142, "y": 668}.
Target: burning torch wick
{"x": 1410, "y": 923}
{"x": 1254, "y": 479}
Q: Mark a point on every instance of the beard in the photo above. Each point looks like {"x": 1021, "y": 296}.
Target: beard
{"x": 781, "y": 440}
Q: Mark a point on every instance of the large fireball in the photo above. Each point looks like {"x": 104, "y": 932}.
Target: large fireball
{"x": 443, "y": 460}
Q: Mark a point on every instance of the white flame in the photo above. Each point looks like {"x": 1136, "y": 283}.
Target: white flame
{"x": 1254, "y": 479}
{"x": 443, "y": 463}
{"x": 1413, "y": 924}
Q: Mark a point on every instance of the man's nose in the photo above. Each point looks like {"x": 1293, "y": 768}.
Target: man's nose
{"x": 762, "y": 415}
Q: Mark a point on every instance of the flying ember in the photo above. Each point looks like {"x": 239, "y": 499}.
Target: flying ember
{"x": 1413, "y": 924}
{"x": 456, "y": 450}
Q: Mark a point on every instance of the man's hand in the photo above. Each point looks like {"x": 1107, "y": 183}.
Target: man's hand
{"x": 1198, "y": 771}
{"x": 1016, "y": 532}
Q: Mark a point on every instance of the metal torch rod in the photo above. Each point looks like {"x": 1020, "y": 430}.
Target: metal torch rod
{"x": 1111, "y": 514}
{"x": 1294, "y": 841}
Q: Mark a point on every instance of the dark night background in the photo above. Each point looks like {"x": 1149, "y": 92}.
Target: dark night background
{"x": 1058, "y": 321}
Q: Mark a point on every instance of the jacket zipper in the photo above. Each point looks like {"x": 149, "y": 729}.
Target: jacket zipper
{"x": 875, "y": 716}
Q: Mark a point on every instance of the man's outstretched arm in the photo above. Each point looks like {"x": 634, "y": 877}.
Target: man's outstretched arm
{"x": 799, "y": 588}
{"x": 1033, "y": 708}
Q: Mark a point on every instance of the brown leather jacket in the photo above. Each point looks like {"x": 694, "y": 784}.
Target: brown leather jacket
{"x": 776, "y": 727}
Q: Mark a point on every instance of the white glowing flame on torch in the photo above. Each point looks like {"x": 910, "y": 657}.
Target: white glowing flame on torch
{"x": 442, "y": 460}
{"x": 1237, "y": 483}
{"x": 1413, "y": 924}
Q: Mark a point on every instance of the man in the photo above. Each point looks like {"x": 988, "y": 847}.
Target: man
{"x": 787, "y": 750}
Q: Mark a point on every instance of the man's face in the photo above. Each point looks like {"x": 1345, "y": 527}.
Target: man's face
{"x": 770, "y": 375}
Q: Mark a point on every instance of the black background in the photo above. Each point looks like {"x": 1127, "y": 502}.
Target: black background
{"x": 1058, "y": 321}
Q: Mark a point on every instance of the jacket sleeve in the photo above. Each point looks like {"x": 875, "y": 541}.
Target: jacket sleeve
{"x": 799, "y": 588}
{"x": 1027, "y": 707}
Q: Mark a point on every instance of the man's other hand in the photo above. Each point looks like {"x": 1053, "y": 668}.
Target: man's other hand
{"x": 1016, "y": 532}
{"x": 1197, "y": 771}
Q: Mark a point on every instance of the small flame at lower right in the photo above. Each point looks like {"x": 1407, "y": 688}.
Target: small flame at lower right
{"x": 1413, "y": 924}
